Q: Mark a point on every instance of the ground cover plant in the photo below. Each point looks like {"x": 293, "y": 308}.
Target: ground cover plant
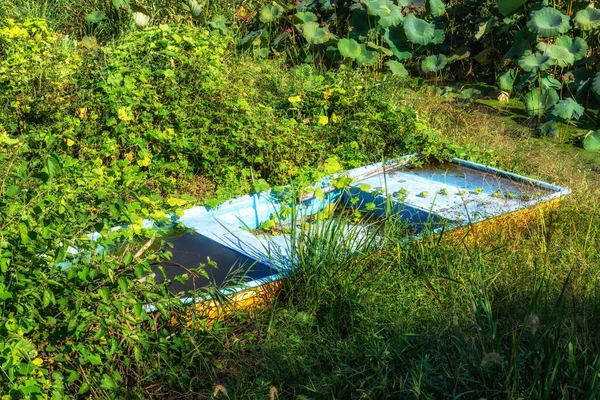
{"x": 108, "y": 117}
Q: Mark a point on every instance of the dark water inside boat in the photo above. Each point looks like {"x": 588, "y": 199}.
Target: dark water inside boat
{"x": 191, "y": 250}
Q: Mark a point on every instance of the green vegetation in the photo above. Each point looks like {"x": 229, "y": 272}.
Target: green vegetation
{"x": 115, "y": 111}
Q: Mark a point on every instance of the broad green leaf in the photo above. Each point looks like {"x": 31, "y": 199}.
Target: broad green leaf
{"x": 108, "y": 383}
{"x": 548, "y": 21}
{"x": 439, "y": 36}
{"x": 219, "y": 22}
{"x": 389, "y": 13}
{"x": 549, "y": 128}
{"x": 397, "y": 68}
{"x": 260, "y": 185}
{"x": 521, "y": 44}
{"x": 95, "y": 17}
{"x": 485, "y": 27}
{"x": 549, "y": 82}
{"x": 588, "y": 18}
{"x": 367, "y": 57}
{"x": 434, "y": 63}
{"x": 568, "y": 109}
{"x": 270, "y": 13}
{"x": 315, "y": 34}
{"x": 562, "y": 56}
{"x": 349, "y": 48}
{"x": 537, "y": 101}
{"x": 359, "y": 24}
{"x": 306, "y": 17}
{"x": 506, "y": 80}
{"x": 396, "y": 39}
{"x": 53, "y": 166}
{"x": 319, "y": 194}
{"x": 418, "y": 31}
{"x": 592, "y": 141}
{"x": 577, "y": 47}
{"x": 535, "y": 62}
{"x": 507, "y": 7}
{"x": 12, "y": 190}
{"x": 437, "y": 8}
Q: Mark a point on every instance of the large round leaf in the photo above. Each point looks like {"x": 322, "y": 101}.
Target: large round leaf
{"x": 367, "y": 57}
{"x": 548, "y": 21}
{"x": 507, "y": 7}
{"x": 438, "y": 37}
{"x": 397, "y": 68}
{"x": 359, "y": 24}
{"x": 568, "y": 109}
{"x": 95, "y": 16}
{"x": 437, "y": 7}
{"x": 434, "y": 63}
{"x": 535, "y": 62}
{"x": 349, "y": 48}
{"x": 396, "y": 39}
{"x": 562, "y": 56}
{"x": 315, "y": 34}
{"x": 592, "y": 141}
{"x": 389, "y": 13}
{"x": 588, "y": 18}
{"x": 270, "y": 13}
{"x": 537, "y": 102}
{"x": 306, "y": 16}
{"x": 521, "y": 44}
{"x": 506, "y": 80}
{"x": 578, "y": 47}
{"x": 418, "y": 31}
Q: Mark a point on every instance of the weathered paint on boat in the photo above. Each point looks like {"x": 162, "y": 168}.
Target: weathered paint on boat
{"x": 463, "y": 198}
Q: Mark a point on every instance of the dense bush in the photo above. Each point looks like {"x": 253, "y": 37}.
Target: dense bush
{"x": 94, "y": 136}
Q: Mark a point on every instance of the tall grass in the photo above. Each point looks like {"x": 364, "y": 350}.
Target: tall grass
{"x": 427, "y": 319}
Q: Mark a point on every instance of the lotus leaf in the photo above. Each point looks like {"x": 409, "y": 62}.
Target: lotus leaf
{"x": 306, "y": 16}
{"x": 359, "y": 24}
{"x": 437, "y": 7}
{"x": 396, "y": 39}
{"x": 548, "y": 21}
{"x": 562, "y": 56}
{"x": 549, "y": 82}
{"x": 507, "y": 7}
{"x": 438, "y": 37}
{"x": 270, "y": 13}
{"x": 315, "y": 34}
{"x": 539, "y": 101}
{"x": 219, "y": 22}
{"x": 95, "y": 16}
{"x": 535, "y": 62}
{"x": 418, "y": 31}
{"x": 349, "y": 48}
{"x": 434, "y": 63}
{"x": 549, "y": 128}
{"x": 568, "y": 109}
{"x": 578, "y": 47}
{"x": 588, "y": 18}
{"x": 506, "y": 80}
{"x": 389, "y": 13}
{"x": 592, "y": 141}
{"x": 520, "y": 44}
{"x": 397, "y": 68}
{"x": 367, "y": 57}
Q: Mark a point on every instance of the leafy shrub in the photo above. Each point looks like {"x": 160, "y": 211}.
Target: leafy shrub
{"x": 37, "y": 71}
